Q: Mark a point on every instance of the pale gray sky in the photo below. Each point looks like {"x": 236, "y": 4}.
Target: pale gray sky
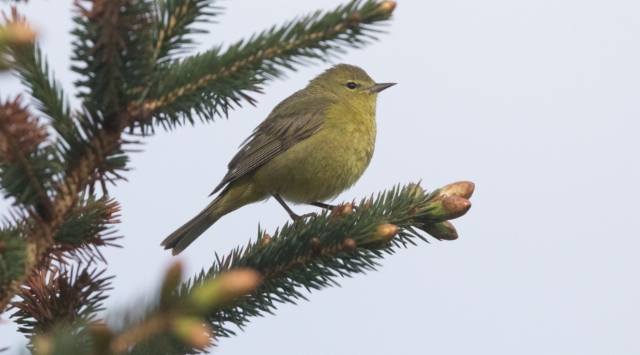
{"x": 537, "y": 102}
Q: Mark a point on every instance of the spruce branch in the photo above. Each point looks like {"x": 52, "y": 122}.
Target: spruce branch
{"x": 13, "y": 253}
{"x": 42, "y": 232}
{"x": 175, "y": 19}
{"x": 211, "y": 83}
{"x": 88, "y": 227}
{"x": 314, "y": 253}
{"x": 54, "y": 297}
{"x": 113, "y": 50}
{"x": 12, "y": 34}
{"x": 172, "y": 325}
{"x": 27, "y": 169}
{"x": 33, "y": 70}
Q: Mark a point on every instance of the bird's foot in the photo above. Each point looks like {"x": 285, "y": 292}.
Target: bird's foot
{"x": 332, "y": 207}
{"x": 297, "y": 218}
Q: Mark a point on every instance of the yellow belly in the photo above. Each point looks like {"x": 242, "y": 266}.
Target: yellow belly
{"x": 320, "y": 167}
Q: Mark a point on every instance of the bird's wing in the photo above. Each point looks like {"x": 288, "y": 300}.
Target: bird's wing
{"x": 293, "y": 120}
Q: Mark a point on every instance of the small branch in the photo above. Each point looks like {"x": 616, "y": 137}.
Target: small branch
{"x": 312, "y": 254}
{"x": 20, "y": 136}
{"x": 223, "y": 77}
{"x": 51, "y": 297}
{"x": 42, "y": 234}
{"x": 174, "y": 24}
{"x": 33, "y": 70}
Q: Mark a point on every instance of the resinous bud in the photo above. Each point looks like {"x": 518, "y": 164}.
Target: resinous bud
{"x": 265, "y": 240}
{"x": 16, "y": 33}
{"x": 340, "y": 210}
{"x": 349, "y": 245}
{"x": 462, "y": 189}
{"x": 43, "y": 344}
{"x": 449, "y": 207}
{"x": 101, "y": 336}
{"x": 387, "y": 6}
{"x": 193, "y": 331}
{"x": 442, "y": 231}
{"x": 171, "y": 281}
{"x": 383, "y": 234}
{"x": 224, "y": 288}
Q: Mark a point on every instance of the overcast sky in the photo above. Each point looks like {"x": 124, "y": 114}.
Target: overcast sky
{"x": 537, "y": 102}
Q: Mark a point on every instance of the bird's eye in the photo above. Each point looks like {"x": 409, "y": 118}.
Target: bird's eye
{"x": 351, "y": 85}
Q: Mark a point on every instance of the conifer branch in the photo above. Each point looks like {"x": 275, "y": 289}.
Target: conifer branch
{"x": 12, "y": 34}
{"x": 212, "y": 82}
{"x": 53, "y": 297}
{"x": 174, "y": 23}
{"x": 113, "y": 50}
{"x": 123, "y": 50}
{"x": 88, "y": 227}
{"x": 26, "y": 169}
{"x": 13, "y": 253}
{"x": 42, "y": 232}
{"x": 313, "y": 254}
{"x": 172, "y": 326}
{"x": 33, "y": 70}
{"x": 102, "y": 125}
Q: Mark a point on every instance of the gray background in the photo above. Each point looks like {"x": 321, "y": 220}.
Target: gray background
{"x": 537, "y": 102}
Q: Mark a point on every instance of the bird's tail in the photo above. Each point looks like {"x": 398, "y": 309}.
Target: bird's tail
{"x": 185, "y": 235}
{"x": 234, "y": 196}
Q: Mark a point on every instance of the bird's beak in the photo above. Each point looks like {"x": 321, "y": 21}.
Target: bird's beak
{"x": 379, "y": 87}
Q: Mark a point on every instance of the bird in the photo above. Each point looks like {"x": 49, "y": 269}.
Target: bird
{"x": 314, "y": 145}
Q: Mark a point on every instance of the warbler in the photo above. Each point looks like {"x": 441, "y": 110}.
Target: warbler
{"x": 312, "y": 146}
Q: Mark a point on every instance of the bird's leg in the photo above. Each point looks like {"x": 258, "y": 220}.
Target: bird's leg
{"x": 293, "y": 216}
{"x": 322, "y": 205}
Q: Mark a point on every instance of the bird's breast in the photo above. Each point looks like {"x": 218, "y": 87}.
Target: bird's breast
{"x": 325, "y": 164}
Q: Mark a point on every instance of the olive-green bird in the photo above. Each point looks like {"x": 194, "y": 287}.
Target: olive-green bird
{"x": 314, "y": 145}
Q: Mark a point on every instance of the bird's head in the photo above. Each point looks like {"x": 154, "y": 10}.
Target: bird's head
{"x": 348, "y": 82}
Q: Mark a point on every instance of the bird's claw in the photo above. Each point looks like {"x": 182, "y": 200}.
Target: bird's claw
{"x": 297, "y": 218}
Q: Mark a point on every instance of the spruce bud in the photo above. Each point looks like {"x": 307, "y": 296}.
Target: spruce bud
{"x": 193, "y": 331}
{"x": 387, "y": 7}
{"x": 441, "y": 231}
{"x": 224, "y": 288}
{"x": 383, "y": 234}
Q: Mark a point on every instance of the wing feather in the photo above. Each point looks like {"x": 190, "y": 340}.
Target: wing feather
{"x": 295, "y": 119}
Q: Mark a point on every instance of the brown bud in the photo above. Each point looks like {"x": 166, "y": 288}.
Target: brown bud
{"x": 442, "y": 231}
{"x": 316, "y": 246}
{"x": 445, "y": 208}
{"x": 383, "y": 234}
{"x": 455, "y": 206}
{"x": 101, "y": 336}
{"x": 349, "y": 245}
{"x": 387, "y": 6}
{"x": 462, "y": 189}
{"x": 355, "y": 17}
{"x": 45, "y": 210}
{"x": 347, "y": 208}
{"x": 171, "y": 280}
{"x": 3, "y": 247}
{"x": 266, "y": 239}
{"x": 193, "y": 331}
{"x": 340, "y": 210}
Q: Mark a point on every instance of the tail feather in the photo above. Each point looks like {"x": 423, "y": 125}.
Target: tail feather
{"x": 185, "y": 235}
